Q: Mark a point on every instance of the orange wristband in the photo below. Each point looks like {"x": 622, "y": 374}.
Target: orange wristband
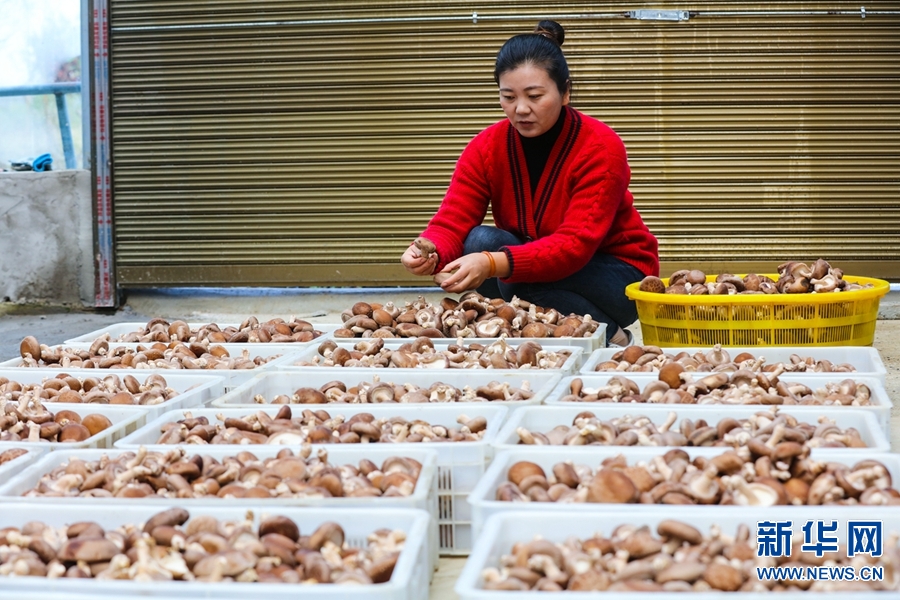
{"x": 493, "y": 264}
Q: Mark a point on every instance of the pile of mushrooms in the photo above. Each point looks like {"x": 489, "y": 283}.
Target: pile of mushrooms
{"x": 765, "y": 427}
{"x": 472, "y": 315}
{"x": 172, "y": 474}
{"x": 386, "y": 392}
{"x": 794, "y": 277}
{"x": 158, "y": 355}
{"x": 422, "y": 354}
{"x": 172, "y": 546}
{"x": 753, "y": 475}
{"x": 275, "y": 331}
{"x": 316, "y": 427}
{"x": 108, "y": 389}
{"x": 679, "y": 558}
{"x": 27, "y": 420}
{"x": 676, "y": 386}
{"x": 650, "y": 359}
{"x": 11, "y": 454}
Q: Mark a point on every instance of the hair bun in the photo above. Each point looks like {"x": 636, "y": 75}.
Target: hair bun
{"x": 551, "y": 30}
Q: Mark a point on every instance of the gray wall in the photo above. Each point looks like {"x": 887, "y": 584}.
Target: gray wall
{"x": 46, "y": 238}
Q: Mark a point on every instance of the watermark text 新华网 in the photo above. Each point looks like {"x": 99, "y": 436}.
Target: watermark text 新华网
{"x": 864, "y": 538}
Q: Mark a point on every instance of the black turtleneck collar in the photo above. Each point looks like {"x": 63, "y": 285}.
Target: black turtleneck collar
{"x": 537, "y": 149}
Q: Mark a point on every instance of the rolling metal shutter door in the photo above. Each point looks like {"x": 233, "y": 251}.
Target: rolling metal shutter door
{"x": 300, "y": 143}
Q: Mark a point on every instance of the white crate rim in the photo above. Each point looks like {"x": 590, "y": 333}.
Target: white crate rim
{"x": 416, "y": 533}
{"x": 541, "y": 383}
{"x": 881, "y": 403}
{"x": 570, "y": 365}
{"x": 117, "y": 329}
{"x": 867, "y": 356}
{"x": 194, "y": 388}
{"x": 564, "y": 413}
{"x": 20, "y": 462}
{"x": 483, "y": 504}
{"x": 589, "y": 343}
{"x": 36, "y": 470}
{"x": 490, "y": 545}
{"x": 496, "y": 416}
{"x": 286, "y": 352}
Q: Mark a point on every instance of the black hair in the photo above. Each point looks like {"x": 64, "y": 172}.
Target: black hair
{"x": 541, "y": 48}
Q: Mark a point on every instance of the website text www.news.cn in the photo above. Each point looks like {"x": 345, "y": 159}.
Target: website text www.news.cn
{"x": 864, "y": 538}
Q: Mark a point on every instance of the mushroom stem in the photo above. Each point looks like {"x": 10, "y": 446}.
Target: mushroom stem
{"x": 670, "y": 420}
{"x": 741, "y": 485}
{"x": 777, "y": 435}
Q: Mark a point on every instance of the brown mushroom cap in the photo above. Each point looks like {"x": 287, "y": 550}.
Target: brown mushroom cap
{"x": 361, "y": 308}
{"x": 669, "y": 373}
{"x": 611, "y": 487}
{"x": 530, "y": 330}
{"x": 65, "y": 416}
{"x": 797, "y": 491}
{"x": 787, "y": 451}
{"x": 631, "y": 354}
{"x": 84, "y": 529}
{"x": 381, "y": 570}
{"x": 96, "y": 423}
{"x": 653, "y": 284}
{"x": 696, "y": 276}
{"x": 69, "y": 396}
{"x": 725, "y": 425}
{"x": 281, "y": 525}
{"x": 680, "y": 530}
{"x": 678, "y": 277}
{"x": 689, "y": 571}
{"x": 592, "y": 580}
{"x": 565, "y": 473}
{"x": 89, "y": 550}
{"x": 30, "y": 347}
{"x": 728, "y": 463}
{"x": 172, "y": 517}
{"x": 522, "y": 469}
{"x": 641, "y": 543}
{"x": 328, "y": 531}
{"x": 73, "y": 432}
{"x": 308, "y": 395}
{"x": 723, "y": 577}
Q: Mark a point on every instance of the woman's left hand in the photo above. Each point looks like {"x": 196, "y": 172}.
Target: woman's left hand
{"x": 463, "y": 274}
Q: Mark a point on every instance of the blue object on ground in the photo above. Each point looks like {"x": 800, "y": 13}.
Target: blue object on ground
{"x": 43, "y": 162}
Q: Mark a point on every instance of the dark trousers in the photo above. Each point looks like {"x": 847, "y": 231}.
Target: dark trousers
{"x": 598, "y": 289}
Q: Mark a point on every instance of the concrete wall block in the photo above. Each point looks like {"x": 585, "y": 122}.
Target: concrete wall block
{"x": 47, "y": 243}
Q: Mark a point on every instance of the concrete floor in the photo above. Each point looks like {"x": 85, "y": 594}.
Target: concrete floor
{"x": 52, "y": 325}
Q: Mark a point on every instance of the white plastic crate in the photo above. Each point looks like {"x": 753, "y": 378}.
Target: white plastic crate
{"x": 11, "y": 468}
{"x": 118, "y": 330}
{"x": 483, "y": 502}
{"x": 408, "y": 582}
{"x": 588, "y": 344}
{"x": 124, "y": 420}
{"x": 545, "y": 418}
{"x": 311, "y": 351}
{"x": 880, "y": 402}
{"x": 284, "y": 353}
{"x": 195, "y": 388}
{"x": 424, "y": 496}
{"x": 459, "y": 464}
{"x": 282, "y": 380}
{"x": 504, "y": 530}
{"x": 865, "y": 359}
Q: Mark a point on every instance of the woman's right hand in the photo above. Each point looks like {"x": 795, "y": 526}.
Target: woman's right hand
{"x": 417, "y": 264}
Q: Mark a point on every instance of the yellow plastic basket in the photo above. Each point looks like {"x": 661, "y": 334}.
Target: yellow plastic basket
{"x": 827, "y": 319}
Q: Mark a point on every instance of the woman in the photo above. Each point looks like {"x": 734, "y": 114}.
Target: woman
{"x": 567, "y": 233}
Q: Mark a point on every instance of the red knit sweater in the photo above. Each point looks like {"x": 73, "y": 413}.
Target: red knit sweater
{"x": 581, "y": 206}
